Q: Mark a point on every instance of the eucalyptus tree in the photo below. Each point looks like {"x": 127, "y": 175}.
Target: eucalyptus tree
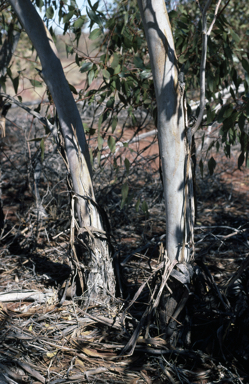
{"x": 100, "y": 281}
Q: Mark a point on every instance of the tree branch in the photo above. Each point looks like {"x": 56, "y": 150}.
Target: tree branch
{"x": 205, "y": 35}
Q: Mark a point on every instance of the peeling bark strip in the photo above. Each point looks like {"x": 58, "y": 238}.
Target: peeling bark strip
{"x": 100, "y": 284}
{"x": 171, "y": 126}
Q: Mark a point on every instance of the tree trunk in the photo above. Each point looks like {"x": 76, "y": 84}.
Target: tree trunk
{"x": 100, "y": 280}
{"x": 175, "y": 144}
{"x": 174, "y": 149}
{"x": 6, "y": 53}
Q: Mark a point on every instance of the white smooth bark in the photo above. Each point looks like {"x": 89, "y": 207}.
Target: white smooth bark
{"x": 171, "y": 122}
{"x": 101, "y": 281}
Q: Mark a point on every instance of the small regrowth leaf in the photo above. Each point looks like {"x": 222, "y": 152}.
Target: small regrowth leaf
{"x": 42, "y": 149}
{"x": 111, "y": 144}
{"x": 95, "y": 34}
{"x": 79, "y": 22}
{"x": 100, "y": 142}
{"x": 86, "y": 67}
{"x": 127, "y": 165}
{"x": 124, "y": 192}
{"x": 245, "y": 64}
{"x": 35, "y": 83}
{"x": 15, "y": 82}
{"x": 137, "y": 205}
{"x": 50, "y": 12}
{"x": 114, "y": 123}
{"x": 145, "y": 207}
{"x": 114, "y": 60}
{"x": 211, "y": 165}
{"x": 73, "y": 89}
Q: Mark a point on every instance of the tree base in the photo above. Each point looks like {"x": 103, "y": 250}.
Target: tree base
{"x": 172, "y": 303}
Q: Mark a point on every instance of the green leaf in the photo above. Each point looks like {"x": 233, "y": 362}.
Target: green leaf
{"x": 245, "y": 64}
{"x": 39, "y": 3}
{"x": 50, "y": 12}
{"x": 247, "y": 109}
{"x": 201, "y": 167}
{"x": 86, "y": 66}
{"x": 15, "y": 83}
{"x": 93, "y": 17}
{"x": 241, "y": 122}
{"x": 90, "y": 76}
{"x": 124, "y": 193}
{"x": 68, "y": 16}
{"x": 228, "y": 112}
{"x": 106, "y": 74}
{"x": 86, "y": 128}
{"x": 113, "y": 85}
{"x": 91, "y": 156}
{"x": 235, "y": 37}
{"x": 241, "y": 160}
{"x": 210, "y": 115}
{"x": 117, "y": 69}
{"x": 79, "y": 22}
{"x": 211, "y": 165}
{"x": 114, "y": 60}
{"x": 182, "y": 59}
{"x": 138, "y": 62}
{"x": 145, "y": 207}
{"x": 114, "y": 123}
{"x": 100, "y": 142}
{"x": 72, "y": 89}
{"x": 98, "y": 158}
{"x": 145, "y": 74}
{"x": 217, "y": 146}
{"x": 77, "y": 60}
{"x": 111, "y": 143}
{"x": 95, "y": 34}
{"x": 232, "y": 135}
{"x": 137, "y": 205}
{"x": 36, "y": 83}
{"x": 90, "y": 131}
{"x": 69, "y": 50}
{"x": 210, "y": 81}
{"x": 100, "y": 122}
{"x": 42, "y": 149}
{"x": 122, "y": 98}
{"x": 110, "y": 103}
{"x": 232, "y": 93}
{"x": 94, "y": 7}
{"x": 127, "y": 165}
{"x": 173, "y": 14}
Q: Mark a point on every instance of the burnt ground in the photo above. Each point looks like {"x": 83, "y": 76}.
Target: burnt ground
{"x": 44, "y": 342}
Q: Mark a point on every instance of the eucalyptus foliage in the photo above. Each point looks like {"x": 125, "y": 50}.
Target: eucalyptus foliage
{"x": 123, "y": 63}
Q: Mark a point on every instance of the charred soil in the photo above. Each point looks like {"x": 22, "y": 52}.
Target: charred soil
{"x": 46, "y": 340}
